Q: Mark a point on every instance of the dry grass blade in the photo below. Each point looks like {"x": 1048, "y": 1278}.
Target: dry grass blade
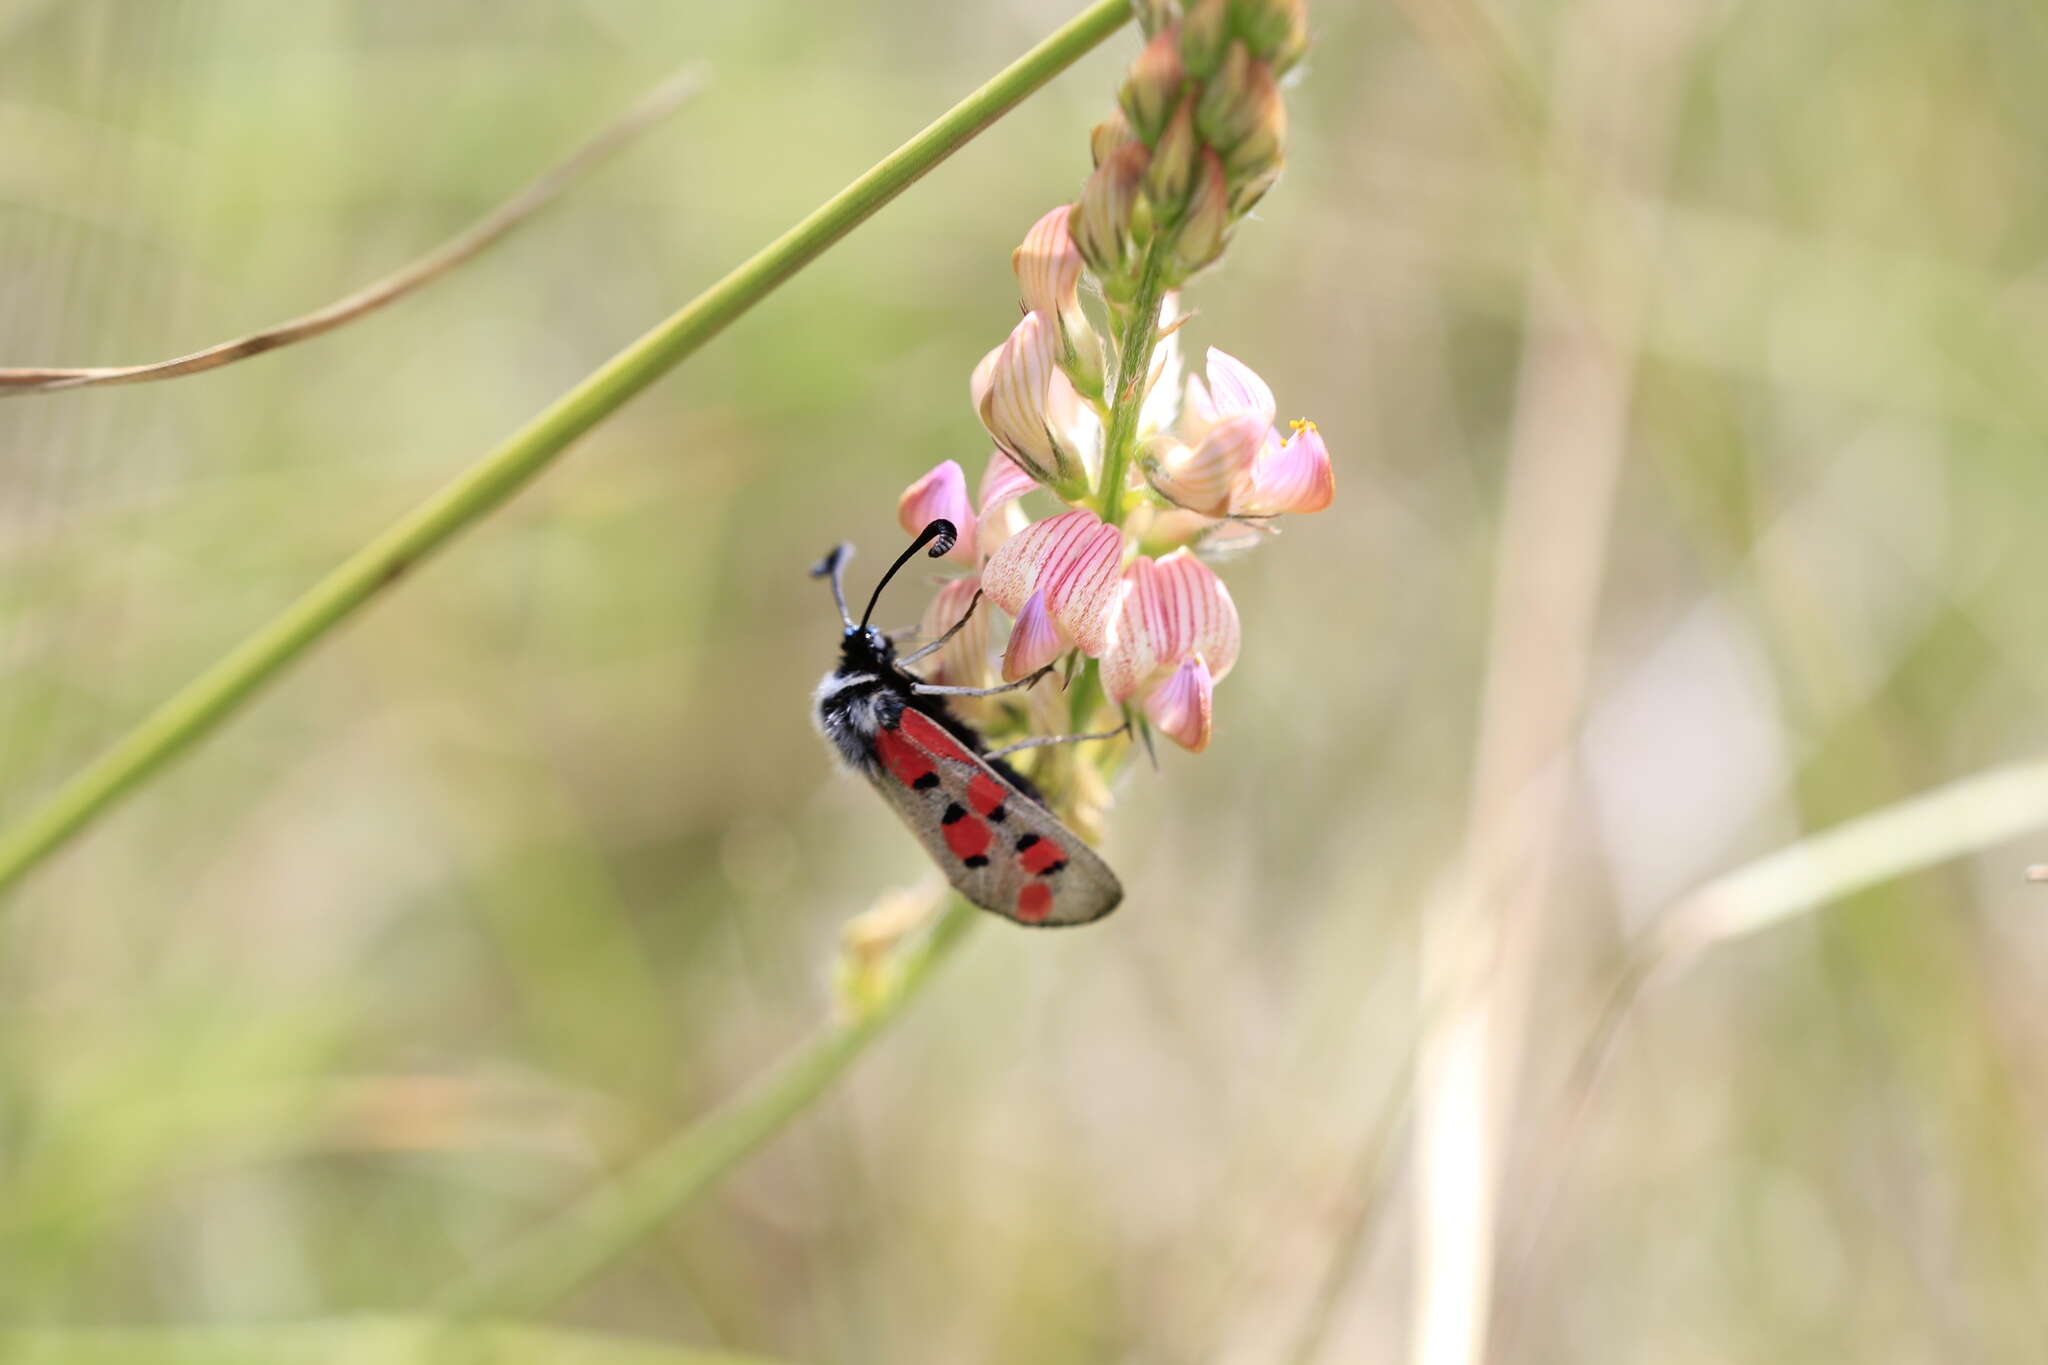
{"x": 662, "y": 101}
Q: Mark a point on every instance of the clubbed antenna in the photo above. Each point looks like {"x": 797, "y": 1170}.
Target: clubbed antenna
{"x": 941, "y": 535}
{"x": 834, "y": 564}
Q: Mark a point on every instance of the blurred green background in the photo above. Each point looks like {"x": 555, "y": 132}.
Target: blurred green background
{"x": 540, "y": 859}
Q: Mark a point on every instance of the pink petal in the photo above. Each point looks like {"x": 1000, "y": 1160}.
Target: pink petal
{"x": 1295, "y": 477}
{"x": 1197, "y": 616}
{"x": 1168, "y": 610}
{"x": 1034, "y": 641}
{"x": 1203, "y": 477}
{"x": 1002, "y": 481}
{"x": 963, "y": 662}
{"x": 1047, "y": 264}
{"x": 1180, "y": 707}
{"x": 1074, "y": 558}
{"x": 1138, "y": 635}
{"x": 1231, "y": 387}
{"x": 940, "y": 493}
{"x": 1011, "y": 397}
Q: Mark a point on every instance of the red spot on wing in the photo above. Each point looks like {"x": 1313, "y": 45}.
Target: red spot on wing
{"x": 1034, "y": 902}
{"x": 986, "y": 794}
{"x": 934, "y": 739}
{"x": 967, "y": 837}
{"x": 900, "y": 757}
{"x": 1040, "y": 856}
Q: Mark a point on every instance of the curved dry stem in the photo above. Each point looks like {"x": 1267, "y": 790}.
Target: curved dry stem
{"x": 653, "y": 107}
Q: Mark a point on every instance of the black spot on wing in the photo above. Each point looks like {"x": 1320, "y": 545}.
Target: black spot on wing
{"x": 1051, "y": 868}
{"x": 927, "y": 782}
{"x": 978, "y": 860}
{"x": 999, "y": 814}
{"x": 954, "y": 812}
{"x": 1025, "y": 841}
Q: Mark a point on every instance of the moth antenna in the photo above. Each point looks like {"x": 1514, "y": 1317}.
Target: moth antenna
{"x": 941, "y": 535}
{"x": 834, "y": 564}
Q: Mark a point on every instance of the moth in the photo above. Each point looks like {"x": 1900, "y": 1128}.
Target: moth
{"x": 981, "y": 820}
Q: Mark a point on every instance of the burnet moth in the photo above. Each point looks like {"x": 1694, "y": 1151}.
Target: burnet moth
{"x": 980, "y": 819}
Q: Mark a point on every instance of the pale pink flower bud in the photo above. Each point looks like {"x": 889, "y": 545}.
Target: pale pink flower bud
{"x": 1073, "y": 559}
{"x": 1171, "y": 173}
{"x": 1101, "y": 224}
{"x": 963, "y": 660}
{"x": 1180, "y": 708}
{"x": 1153, "y": 86}
{"x": 1205, "y": 477}
{"x": 1109, "y": 135}
{"x": 940, "y": 493}
{"x": 1047, "y": 264}
{"x": 1292, "y": 477}
{"x": 1013, "y": 394}
{"x": 1034, "y": 641}
{"x": 1168, "y": 609}
{"x": 1204, "y": 36}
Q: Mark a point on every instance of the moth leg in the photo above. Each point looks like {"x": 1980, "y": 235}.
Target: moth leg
{"x": 932, "y": 690}
{"x": 951, "y": 631}
{"x": 1045, "y": 740}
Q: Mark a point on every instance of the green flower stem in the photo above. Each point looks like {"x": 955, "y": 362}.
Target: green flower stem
{"x": 220, "y": 690}
{"x": 1134, "y": 366}
{"x": 566, "y": 1251}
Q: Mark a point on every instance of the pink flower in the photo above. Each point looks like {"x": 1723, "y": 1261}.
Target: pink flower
{"x": 1175, "y": 637}
{"x": 963, "y": 661}
{"x": 1067, "y": 565}
{"x": 1228, "y": 461}
{"x": 1048, "y": 264}
{"x": 1002, "y": 483}
{"x": 1030, "y": 407}
{"x": 941, "y": 493}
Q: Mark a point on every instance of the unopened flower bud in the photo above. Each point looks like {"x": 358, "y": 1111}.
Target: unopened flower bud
{"x": 1273, "y": 29}
{"x": 1110, "y": 134}
{"x": 1251, "y": 189}
{"x": 1101, "y": 223}
{"x": 1152, "y": 88}
{"x": 1175, "y": 160}
{"x": 1238, "y": 102}
{"x": 1153, "y": 15}
{"x": 1207, "y": 229}
{"x": 1204, "y": 37}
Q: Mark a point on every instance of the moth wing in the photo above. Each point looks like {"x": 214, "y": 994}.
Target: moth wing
{"x": 998, "y": 847}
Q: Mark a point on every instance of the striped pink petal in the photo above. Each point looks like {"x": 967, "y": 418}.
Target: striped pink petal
{"x": 1180, "y": 708}
{"x": 1168, "y": 610}
{"x": 1003, "y": 480}
{"x": 1073, "y": 559}
{"x": 1034, "y": 641}
{"x": 940, "y": 493}
{"x": 1011, "y": 398}
{"x": 1295, "y": 477}
{"x": 1048, "y": 265}
{"x": 963, "y": 662}
{"x": 1202, "y": 478}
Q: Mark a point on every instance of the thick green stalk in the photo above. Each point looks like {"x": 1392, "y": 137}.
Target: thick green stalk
{"x": 1134, "y": 367}
{"x": 565, "y": 1251}
{"x": 220, "y": 690}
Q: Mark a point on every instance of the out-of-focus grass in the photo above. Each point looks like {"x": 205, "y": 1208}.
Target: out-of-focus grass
{"x": 539, "y": 860}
